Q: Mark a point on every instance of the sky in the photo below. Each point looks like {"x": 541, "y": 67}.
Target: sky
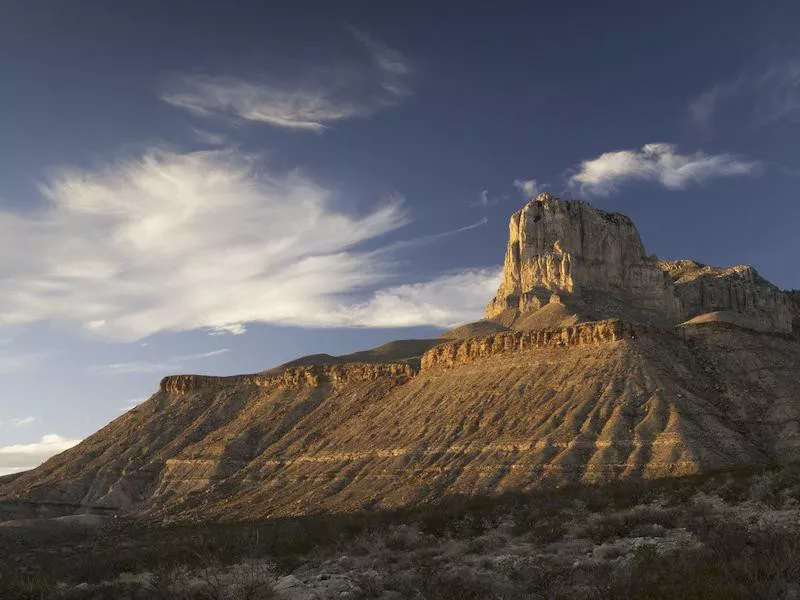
{"x": 220, "y": 187}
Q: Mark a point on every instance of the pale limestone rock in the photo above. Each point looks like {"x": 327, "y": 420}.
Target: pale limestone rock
{"x": 704, "y": 289}
{"x": 570, "y": 248}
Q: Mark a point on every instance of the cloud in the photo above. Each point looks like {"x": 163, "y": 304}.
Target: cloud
{"x": 446, "y": 301}
{"x": 190, "y": 357}
{"x": 428, "y": 239}
{"x": 179, "y": 241}
{"x": 528, "y": 187}
{"x": 655, "y": 162}
{"x": 23, "y": 422}
{"x": 771, "y": 95}
{"x": 171, "y": 364}
{"x": 312, "y": 102}
{"x": 20, "y": 457}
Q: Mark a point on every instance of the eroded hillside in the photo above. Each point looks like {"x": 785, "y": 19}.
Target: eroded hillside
{"x": 587, "y": 403}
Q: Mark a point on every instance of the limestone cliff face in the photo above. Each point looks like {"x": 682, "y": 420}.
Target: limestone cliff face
{"x": 295, "y": 377}
{"x": 703, "y": 289}
{"x": 570, "y": 247}
{"x": 568, "y": 252}
{"x": 582, "y": 334}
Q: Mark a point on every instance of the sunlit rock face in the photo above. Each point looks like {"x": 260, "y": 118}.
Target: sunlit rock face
{"x": 570, "y": 248}
{"x": 703, "y": 289}
{"x": 569, "y": 252}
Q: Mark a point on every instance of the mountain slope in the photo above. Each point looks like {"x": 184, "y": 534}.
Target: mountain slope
{"x": 586, "y": 403}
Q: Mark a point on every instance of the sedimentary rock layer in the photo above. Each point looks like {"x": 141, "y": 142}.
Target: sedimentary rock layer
{"x": 703, "y": 289}
{"x": 506, "y": 412}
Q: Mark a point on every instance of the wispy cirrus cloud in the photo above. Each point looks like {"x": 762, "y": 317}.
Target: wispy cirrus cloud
{"x": 201, "y": 240}
{"x": 20, "y": 457}
{"x": 23, "y": 421}
{"x": 312, "y": 102}
{"x": 172, "y": 363}
{"x": 769, "y": 95}
{"x": 659, "y": 163}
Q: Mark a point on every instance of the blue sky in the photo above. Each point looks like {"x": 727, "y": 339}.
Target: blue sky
{"x": 209, "y": 187}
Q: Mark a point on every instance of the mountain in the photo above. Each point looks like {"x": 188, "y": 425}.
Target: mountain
{"x": 592, "y": 265}
{"x": 596, "y": 362}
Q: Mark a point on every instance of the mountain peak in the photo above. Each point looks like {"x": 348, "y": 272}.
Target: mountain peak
{"x": 594, "y": 263}
{"x": 592, "y": 257}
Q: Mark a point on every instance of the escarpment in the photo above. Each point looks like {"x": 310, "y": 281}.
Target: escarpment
{"x": 582, "y": 334}
{"x": 312, "y": 375}
{"x": 594, "y": 263}
{"x": 571, "y": 248}
{"x": 703, "y": 289}
{"x": 597, "y": 363}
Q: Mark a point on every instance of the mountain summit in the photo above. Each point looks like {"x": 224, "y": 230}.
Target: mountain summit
{"x": 596, "y": 362}
{"x": 568, "y": 252}
{"x": 578, "y": 252}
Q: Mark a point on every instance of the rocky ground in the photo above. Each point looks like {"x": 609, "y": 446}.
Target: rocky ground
{"x": 730, "y": 534}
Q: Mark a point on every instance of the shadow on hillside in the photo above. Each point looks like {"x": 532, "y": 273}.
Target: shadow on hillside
{"x": 727, "y": 534}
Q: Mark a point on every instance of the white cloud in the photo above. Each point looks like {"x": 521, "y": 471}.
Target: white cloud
{"x": 312, "y": 102}
{"x": 20, "y": 457}
{"x": 23, "y": 421}
{"x": 655, "y": 162}
{"x": 528, "y": 187}
{"x": 772, "y": 94}
{"x": 446, "y": 301}
{"x": 185, "y": 241}
{"x": 171, "y": 364}
{"x": 189, "y": 357}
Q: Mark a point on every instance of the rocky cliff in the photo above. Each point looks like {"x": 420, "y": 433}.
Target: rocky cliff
{"x": 703, "y": 289}
{"x": 592, "y": 265}
{"x": 572, "y": 249}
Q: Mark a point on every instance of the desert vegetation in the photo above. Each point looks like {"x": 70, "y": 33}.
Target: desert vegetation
{"x": 727, "y": 534}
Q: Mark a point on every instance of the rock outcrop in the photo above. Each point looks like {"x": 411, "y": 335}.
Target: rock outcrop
{"x": 295, "y": 377}
{"x": 570, "y": 248}
{"x": 704, "y": 289}
{"x": 592, "y": 265}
